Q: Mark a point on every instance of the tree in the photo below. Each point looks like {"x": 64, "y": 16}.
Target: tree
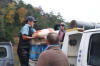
{"x": 4, "y": 3}
{"x": 20, "y": 4}
{"x": 10, "y": 13}
{"x": 30, "y": 10}
{"x": 22, "y": 14}
{"x": 59, "y": 17}
{"x": 2, "y": 30}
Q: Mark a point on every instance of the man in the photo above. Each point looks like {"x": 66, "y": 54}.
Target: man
{"x": 52, "y": 56}
{"x": 61, "y": 33}
{"x": 25, "y": 41}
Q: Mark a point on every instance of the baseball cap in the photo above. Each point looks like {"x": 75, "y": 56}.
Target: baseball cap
{"x": 30, "y": 18}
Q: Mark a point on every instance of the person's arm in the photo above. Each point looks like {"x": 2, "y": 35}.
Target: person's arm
{"x": 43, "y": 60}
{"x": 24, "y": 32}
{"x": 25, "y": 37}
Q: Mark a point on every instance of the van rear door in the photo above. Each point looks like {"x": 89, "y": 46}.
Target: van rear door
{"x": 71, "y": 46}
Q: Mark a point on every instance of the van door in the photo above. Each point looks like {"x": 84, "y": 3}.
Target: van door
{"x": 71, "y": 46}
{"x": 82, "y": 53}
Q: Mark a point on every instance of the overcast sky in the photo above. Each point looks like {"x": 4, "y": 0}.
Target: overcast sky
{"x": 81, "y": 10}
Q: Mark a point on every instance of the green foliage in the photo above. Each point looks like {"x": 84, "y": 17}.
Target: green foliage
{"x": 2, "y": 30}
{"x": 21, "y": 4}
{"x": 22, "y": 13}
{"x": 9, "y": 37}
{"x": 3, "y": 3}
{"x": 30, "y": 10}
{"x": 10, "y": 13}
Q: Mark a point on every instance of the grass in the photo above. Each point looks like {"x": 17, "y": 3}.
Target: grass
{"x": 16, "y": 56}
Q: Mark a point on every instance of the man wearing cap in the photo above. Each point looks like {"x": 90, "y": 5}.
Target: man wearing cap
{"x": 25, "y": 40}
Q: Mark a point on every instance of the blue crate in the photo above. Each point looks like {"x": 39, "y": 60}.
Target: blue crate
{"x": 32, "y": 52}
{"x": 36, "y": 50}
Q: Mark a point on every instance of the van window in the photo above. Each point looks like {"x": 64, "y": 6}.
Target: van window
{"x": 94, "y": 50}
{"x": 3, "y": 52}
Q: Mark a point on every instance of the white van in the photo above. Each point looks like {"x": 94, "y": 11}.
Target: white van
{"x": 89, "y": 50}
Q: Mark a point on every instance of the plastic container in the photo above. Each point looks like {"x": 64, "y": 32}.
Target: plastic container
{"x": 36, "y": 50}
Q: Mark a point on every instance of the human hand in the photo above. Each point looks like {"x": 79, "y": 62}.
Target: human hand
{"x": 39, "y": 37}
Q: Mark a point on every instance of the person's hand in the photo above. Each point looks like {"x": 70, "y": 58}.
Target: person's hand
{"x": 39, "y": 37}
{"x": 33, "y": 37}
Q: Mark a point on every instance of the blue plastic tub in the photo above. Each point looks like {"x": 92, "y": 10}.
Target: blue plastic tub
{"x": 36, "y": 50}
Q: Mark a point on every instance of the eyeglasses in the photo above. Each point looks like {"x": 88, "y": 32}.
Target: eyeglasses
{"x": 62, "y": 25}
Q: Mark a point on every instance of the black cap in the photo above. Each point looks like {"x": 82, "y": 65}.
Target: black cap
{"x": 30, "y": 18}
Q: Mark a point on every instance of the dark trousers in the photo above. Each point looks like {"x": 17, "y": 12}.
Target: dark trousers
{"x": 61, "y": 44}
{"x": 23, "y": 54}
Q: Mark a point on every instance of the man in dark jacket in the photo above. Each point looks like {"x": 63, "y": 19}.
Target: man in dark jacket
{"x": 52, "y": 56}
{"x": 25, "y": 41}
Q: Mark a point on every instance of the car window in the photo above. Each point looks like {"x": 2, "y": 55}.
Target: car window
{"x": 94, "y": 50}
{"x": 3, "y": 52}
